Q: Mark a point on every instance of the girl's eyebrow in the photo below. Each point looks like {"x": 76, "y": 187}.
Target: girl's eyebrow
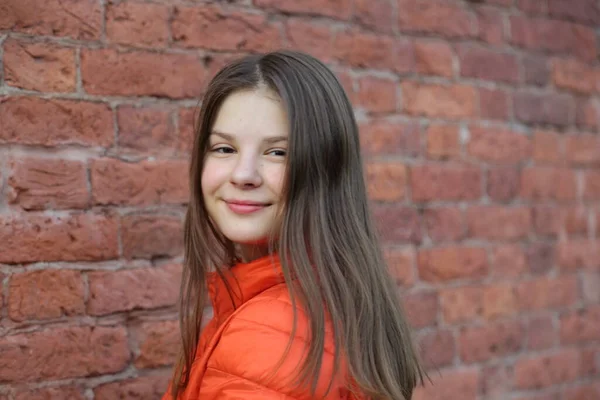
{"x": 269, "y": 140}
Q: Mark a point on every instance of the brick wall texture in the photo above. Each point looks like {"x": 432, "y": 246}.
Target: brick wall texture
{"x": 480, "y": 126}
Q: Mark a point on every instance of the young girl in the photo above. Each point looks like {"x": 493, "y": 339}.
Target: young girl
{"x": 278, "y": 235}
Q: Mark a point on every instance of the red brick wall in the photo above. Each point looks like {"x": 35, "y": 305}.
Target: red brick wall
{"x": 480, "y": 122}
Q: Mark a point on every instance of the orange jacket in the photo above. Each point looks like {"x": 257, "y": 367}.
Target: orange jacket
{"x": 241, "y": 346}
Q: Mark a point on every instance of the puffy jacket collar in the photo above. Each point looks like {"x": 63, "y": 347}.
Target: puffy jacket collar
{"x": 246, "y": 280}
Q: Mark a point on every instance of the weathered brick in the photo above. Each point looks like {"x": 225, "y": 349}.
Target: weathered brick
{"x": 363, "y": 49}
{"x": 443, "y": 141}
{"x": 45, "y": 295}
{"x": 490, "y": 22}
{"x": 39, "y": 66}
{"x": 446, "y": 18}
{"x": 436, "y": 182}
{"x": 575, "y": 220}
{"x": 421, "y": 308}
{"x": 509, "y": 261}
{"x": 60, "y": 353}
{"x": 546, "y": 220}
{"x": 499, "y": 301}
{"x": 575, "y": 75}
{"x": 147, "y": 387}
{"x": 52, "y": 393}
{"x": 579, "y": 254}
{"x": 142, "y": 73}
{"x": 461, "y": 304}
{"x": 554, "y": 36}
{"x": 540, "y": 257}
{"x": 498, "y": 145}
{"x": 536, "y": 69}
{"x": 401, "y": 264}
{"x": 547, "y": 108}
{"x": 444, "y": 223}
{"x": 434, "y": 58}
{"x": 585, "y": 11}
{"x": 533, "y": 6}
{"x": 228, "y": 29}
{"x": 588, "y": 114}
{"x": 386, "y": 181}
{"x": 493, "y": 104}
{"x": 590, "y": 360}
{"x": 437, "y": 348}
{"x": 547, "y": 147}
{"x": 51, "y": 122}
{"x": 580, "y": 326}
{"x": 482, "y": 343}
{"x": 77, "y": 19}
{"x": 331, "y": 8}
{"x": 138, "y": 24}
{"x": 481, "y": 63}
{"x": 310, "y": 37}
{"x": 498, "y": 223}
{"x": 590, "y": 287}
{"x": 390, "y": 137}
{"x": 591, "y": 185}
{"x": 185, "y": 130}
{"x": 150, "y": 236}
{"x": 548, "y": 293}
{"x": 397, "y": 224}
{"x": 147, "y": 130}
{"x": 534, "y": 372}
{"x": 503, "y": 183}
{"x": 457, "y": 383}
{"x": 583, "y": 391}
{"x": 548, "y": 183}
{"x": 450, "y": 263}
{"x": 158, "y": 343}
{"x": 144, "y": 183}
{"x": 433, "y": 100}
{"x": 377, "y": 95}
{"x": 496, "y": 381}
{"x": 375, "y": 14}
{"x": 129, "y": 289}
{"x": 583, "y": 149}
{"x": 80, "y": 237}
{"x": 541, "y": 333}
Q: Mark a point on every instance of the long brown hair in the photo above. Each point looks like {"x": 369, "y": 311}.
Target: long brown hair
{"x": 327, "y": 243}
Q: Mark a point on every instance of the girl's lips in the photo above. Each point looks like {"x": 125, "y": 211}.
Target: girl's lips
{"x": 245, "y": 207}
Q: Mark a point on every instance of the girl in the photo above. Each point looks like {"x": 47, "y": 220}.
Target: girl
{"x": 278, "y": 235}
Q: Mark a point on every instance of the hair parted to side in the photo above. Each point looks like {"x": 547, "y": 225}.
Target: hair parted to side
{"x": 327, "y": 243}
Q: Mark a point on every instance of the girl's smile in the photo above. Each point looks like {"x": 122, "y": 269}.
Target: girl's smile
{"x": 245, "y": 207}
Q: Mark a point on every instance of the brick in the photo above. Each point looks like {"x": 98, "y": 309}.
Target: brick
{"x": 130, "y": 289}
{"x": 451, "y": 263}
{"x": 548, "y": 108}
{"x": 137, "y": 24}
{"x": 117, "y": 182}
{"x": 185, "y": 131}
{"x": 588, "y": 114}
{"x": 37, "y": 184}
{"x": 502, "y": 183}
{"x": 45, "y": 295}
{"x": 532, "y": 6}
{"x": 575, "y": 220}
{"x": 377, "y": 15}
{"x": 77, "y": 19}
{"x": 366, "y": 50}
{"x": 80, "y": 237}
{"x": 540, "y": 257}
{"x": 151, "y": 236}
{"x": 575, "y": 75}
{"x": 434, "y": 58}
{"x": 536, "y": 69}
{"x": 548, "y": 183}
{"x": 421, "y": 309}
{"x": 546, "y": 220}
{"x": 509, "y": 261}
{"x": 340, "y": 9}
{"x": 481, "y": 63}
{"x": 141, "y": 73}
{"x": 493, "y": 104}
{"x": 583, "y": 149}
{"x": 401, "y": 264}
{"x": 457, "y": 383}
{"x": 147, "y": 130}
{"x": 583, "y": 391}
{"x": 146, "y": 387}
{"x": 51, "y": 122}
{"x": 444, "y": 224}
{"x": 580, "y": 326}
{"x": 590, "y": 361}
{"x": 60, "y": 353}
{"x": 443, "y": 18}
{"x": 310, "y": 37}
{"x": 437, "y": 348}
{"x": 496, "y": 381}
{"x": 547, "y": 147}
{"x": 443, "y": 141}
{"x": 590, "y": 287}
{"x": 584, "y": 11}
{"x": 591, "y": 185}
{"x": 451, "y": 101}
{"x": 39, "y": 66}
{"x": 397, "y": 224}
{"x": 52, "y": 393}
{"x": 535, "y": 372}
{"x": 377, "y": 95}
{"x": 541, "y": 333}
{"x": 550, "y": 395}
{"x": 553, "y": 36}
{"x": 461, "y": 304}
{"x": 158, "y": 343}
{"x": 386, "y": 181}
{"x": 495, "y": 340}
{"x": 547, "y": 293}
{"x": 579, "y": 254}
{"x": 498, "y": 145}
{"x": 498, "y": 223}
{"x": 390, "y": 137}
{"x": 499, "y": 301}
{"x": 434, "y": 182}
{"x": 228, "y": 30}
{"x": 491, "y": 25}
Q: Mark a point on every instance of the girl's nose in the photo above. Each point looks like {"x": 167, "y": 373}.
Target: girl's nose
{"x": 246, "y": 172}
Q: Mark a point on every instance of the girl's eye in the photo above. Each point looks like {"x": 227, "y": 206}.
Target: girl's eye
{"x": 277, "y": 152}
{"x": 223, "y": 150}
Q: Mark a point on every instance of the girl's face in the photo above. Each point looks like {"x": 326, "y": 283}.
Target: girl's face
{"x": 244, "y": 167}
